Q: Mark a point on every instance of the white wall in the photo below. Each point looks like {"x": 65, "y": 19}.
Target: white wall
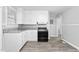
{"x": 71, "y": 26}
{"x": 0, "y": 28}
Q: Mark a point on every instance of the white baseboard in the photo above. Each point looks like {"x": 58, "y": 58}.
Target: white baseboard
{"x": 71, "y": 44}
{"x": 2, "y": 50}
{"x": 53, "y": 35}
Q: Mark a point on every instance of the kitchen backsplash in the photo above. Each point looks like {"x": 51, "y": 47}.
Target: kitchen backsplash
{"x": 9, "y": 26}
{"x": 27, "y": 26}
{"x": 30, "y": 26}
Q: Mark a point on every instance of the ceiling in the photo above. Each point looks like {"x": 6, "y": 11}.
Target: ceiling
{"x": 53, "y": 9}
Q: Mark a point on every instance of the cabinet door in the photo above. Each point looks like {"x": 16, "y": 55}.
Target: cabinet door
{"x": 9, "y": 41}
{"x": 19, "y": 16}
{"x": 11, "y": 15}
{"x": 8, "y": 16}
{"x": 42, "y": 17}
{"x": 24, "y": 37}
{"x": 32, "y": 17}
{"x": 12, "y": 42}
{"x": 29, "y": 17}
{"x": 4, "y": 16}
{"x": 32, "y": 35}
{"x": 19, "y": 41}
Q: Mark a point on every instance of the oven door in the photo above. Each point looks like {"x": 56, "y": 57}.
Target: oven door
{"x": 42, "y": 35}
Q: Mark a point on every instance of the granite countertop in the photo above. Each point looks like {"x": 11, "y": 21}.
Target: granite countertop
{"x": 16, "y": 30}
{"x": 21, "y": 28}
{"x": 12, "y": 31}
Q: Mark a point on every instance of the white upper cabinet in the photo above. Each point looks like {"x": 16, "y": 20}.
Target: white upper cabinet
{"x": 20, "y": 16}
{"x": 42, "y": 17}
{"x": 8, "y": 15}
{"x": 32, "y": 17}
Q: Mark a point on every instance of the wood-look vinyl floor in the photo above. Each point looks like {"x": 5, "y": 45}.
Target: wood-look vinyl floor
{"x": 53, "y": 45}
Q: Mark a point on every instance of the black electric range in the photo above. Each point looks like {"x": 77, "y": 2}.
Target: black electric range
{"x": 42, "y": 34}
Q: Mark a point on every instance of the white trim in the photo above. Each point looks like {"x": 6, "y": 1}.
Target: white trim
{"x": 2, "y": 50}
{"x": 53, "y": 35}
{"x": 1, "y": 28}
{"x": 71, "y": 44}
{"x": 70, "y": 24}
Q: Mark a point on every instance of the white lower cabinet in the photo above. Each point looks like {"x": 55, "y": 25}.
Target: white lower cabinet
{"x": 32, "y": 35}
{"x": 13, "y": 42}
{"x": 24, "y": 37}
